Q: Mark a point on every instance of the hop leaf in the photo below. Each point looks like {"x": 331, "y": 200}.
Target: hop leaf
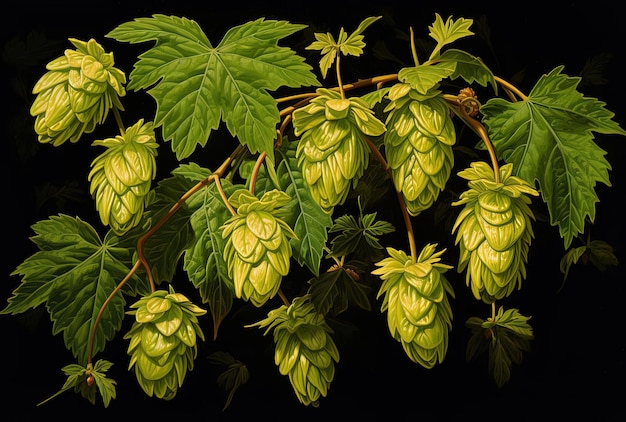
{"x": 494, "y": 231}
{"x": 415, "y": 293}
{"x": 121, "y": 177}
{"x": 332, "y": 151}
{"x": 348, "y": 45}
{"x": 305, "y": 350}
{"x": 418, "y": 146}
{"x": 163, "y": 341}
{"x": 76, "y": 93}
{"x": 505, "y": 338}
{"x": 87, "y": 381}
{"x": 555, "y": 121}
{"x": 257, "y": 250}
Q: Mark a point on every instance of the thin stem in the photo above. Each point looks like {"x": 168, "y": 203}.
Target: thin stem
{"x": 413, "y": 49}
{"x": 511, "y": 88}
{"x": 255, "y": 170}
{"x": 460, "y": 110}
{"x": 405, "y": 213}
{"x": 118, "y": 120}
{"x": 103, "y": 307}
{"x": 142, "y": 240}
{"x": 338, "y": 70}
{"x": 283, "y": 297}
{"x": 218, "y": 185}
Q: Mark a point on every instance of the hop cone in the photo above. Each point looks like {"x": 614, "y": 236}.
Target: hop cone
{"x": 332, "y": 151}
{"x": 163, "y": 341}
{"x": 494, "y": 231}
{"x": 305, "y": 349}
{"x": 418, "y": 146}
{"x": 121, "y": 177}
{"x": 76, "y": 93}
{"x": 257, "y": 249}
{"x": 419, "y": 315}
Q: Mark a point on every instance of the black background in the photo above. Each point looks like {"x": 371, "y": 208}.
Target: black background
{"x": 576, "y": 366}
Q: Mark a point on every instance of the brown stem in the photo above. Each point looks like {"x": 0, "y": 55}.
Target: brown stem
{"x": 283, "y": 297}
{"x": 510, "y": 88}
{"x": 460, "y": 110}
{"x": 141, "y": 260}
{"x": 118, "y": 119}
{"x": 255, "y": 170}
{"x": 103, "y": 307}
{"x": 405, "y": 214}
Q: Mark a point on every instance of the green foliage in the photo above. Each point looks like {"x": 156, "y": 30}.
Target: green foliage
{"x": 505, "y": 338}
{"x": 234, "y": 376}
{"x": 85, "y": 381}
{"x": 73, "y": 274}
{"x": 296, "y": 217}
{"x": 555, "y": 121}
{"x": 188, "y": 77}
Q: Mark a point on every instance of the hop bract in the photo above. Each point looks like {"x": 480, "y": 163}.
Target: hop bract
{"x": 76, "y": 93}
{"x": 332, "y": 151}
{"x": 494, "y": 230}
{"x": 419, "y": 315}
{"x": 121, "y": 177}
{"x": 163, "y": 341}
{"x": 418, "y": 145}
{"x": 305, "y": 350}
{"x": 257, "y": 250}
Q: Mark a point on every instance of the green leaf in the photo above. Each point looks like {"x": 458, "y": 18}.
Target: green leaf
{"x": 359, "y": 237}
{"x": 478, "y": 342}
{"x": 165, "y": 246}
{"x": 448, "y": 31}
{"x": 348, "y": 45}
{"x": 73, "y": 273}
{"x": 309, "y": 221}
{"x": 570, "y": 258}
{"x": 333, "y": 291}
{"x": 196, "y": 85}
{"x": 470, "y": 68}
{"x": 512, "y": 320}
{"x": 424, "y": 78}
{"x": 548, "y": 137}
{"x": 601, "y": 254}
{"x": 77, "y": 379}
{"x": 203, "y": 260}
{"x": 106, "y": 386}
{"x": 507, "y": 348}
{"x": 354, "y": 43}
{"x": 235, "y": 375}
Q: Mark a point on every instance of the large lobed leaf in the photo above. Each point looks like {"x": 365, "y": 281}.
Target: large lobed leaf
{"x": 548, "y": 138}
{"x": 203, "y": 260}
{"x": 196, "y": 85}
{"x": 311, "y": 222}
{"x": 73, "y": 273}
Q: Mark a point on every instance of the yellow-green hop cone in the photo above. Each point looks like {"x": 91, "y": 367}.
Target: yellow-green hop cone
{"x": 76, "y": 93}
{"x": 494, "y": 231}
{"x": 305, "y": 350}
{"x": 121, "y": 177}
{"x": 257, "y": 250}
{"x": 332, "y": 151}
{"x": 418, "y": 146}
{"x": 419, "y": 315}
{"x": 163, "y": 341}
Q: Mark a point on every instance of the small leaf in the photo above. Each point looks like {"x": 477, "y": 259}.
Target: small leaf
{"x": 601, "y": 254}
{"x": 448, "y": 32}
